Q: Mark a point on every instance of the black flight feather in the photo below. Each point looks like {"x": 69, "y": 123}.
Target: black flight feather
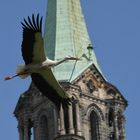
{"x": 49, "y": 92}
{"x": 34, "y": 22}
{"x": 40, "y": 27}
{"x": 27, "y": 24}
{"x": 37, "y": 21}
{"x": 30, "y": 28}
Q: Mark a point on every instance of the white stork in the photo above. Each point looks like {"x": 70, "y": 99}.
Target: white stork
{"x": 37, "y": 65}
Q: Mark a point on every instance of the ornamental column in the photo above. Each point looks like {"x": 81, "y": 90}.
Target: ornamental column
{"x": 21, "y": 132}
{"x": 78, "y": 120}
{"x": 62, "y": 124}
{"x": 70, "y": 119}
{"x": 121, "y": 121}
{"x": 27, "y": 132}
{"x": 116, "y": 126}
{"x": 123, "y": 128}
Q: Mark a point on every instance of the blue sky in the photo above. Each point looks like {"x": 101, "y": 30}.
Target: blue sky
{"x": 114, "y": 28}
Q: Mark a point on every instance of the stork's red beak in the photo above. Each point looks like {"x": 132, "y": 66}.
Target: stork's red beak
{"x": 8, "y": 78}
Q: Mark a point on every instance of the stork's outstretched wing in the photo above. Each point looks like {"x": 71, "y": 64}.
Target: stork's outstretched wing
{"x": 48, "y": 85}
{"x": 32, "y": 44}
{"x": 33, "y": 53}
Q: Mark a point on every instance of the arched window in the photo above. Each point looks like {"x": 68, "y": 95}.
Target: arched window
{"x": 66, "y": 120}
{"x": 110, "y": 118}
{"x": 43, "y": 128}
{"x": 94, "y": 124}
{"x": 30, "y": 129}
{"x": 32, "y": 133}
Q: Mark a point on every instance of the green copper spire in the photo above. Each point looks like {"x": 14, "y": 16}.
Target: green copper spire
{"x": 66, "y": 34}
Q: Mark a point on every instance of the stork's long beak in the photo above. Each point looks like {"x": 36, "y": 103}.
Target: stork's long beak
{"x": 75, "y": 58}
{"x": 72, "y": 58}
{"x": 10, "y": 77}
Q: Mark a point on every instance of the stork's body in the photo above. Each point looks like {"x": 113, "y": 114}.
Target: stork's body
{"x": 24, "y": 71}
{"x": 37, "y": 65}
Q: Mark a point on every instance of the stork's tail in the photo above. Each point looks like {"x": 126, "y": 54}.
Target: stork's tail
{"x": 21, "y": 71}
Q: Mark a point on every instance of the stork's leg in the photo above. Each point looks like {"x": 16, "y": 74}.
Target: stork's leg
{"x": 22, "y": 75}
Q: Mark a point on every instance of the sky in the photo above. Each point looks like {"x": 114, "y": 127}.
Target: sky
{"x": 114, "y": 28}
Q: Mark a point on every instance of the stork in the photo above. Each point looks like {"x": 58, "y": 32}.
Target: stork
{"x": 37, "y": 65}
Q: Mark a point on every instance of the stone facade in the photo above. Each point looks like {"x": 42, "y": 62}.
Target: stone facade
{"x": 96, "y": 112}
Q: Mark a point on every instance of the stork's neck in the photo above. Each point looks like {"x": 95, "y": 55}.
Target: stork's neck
{"x": 60, "y": 61}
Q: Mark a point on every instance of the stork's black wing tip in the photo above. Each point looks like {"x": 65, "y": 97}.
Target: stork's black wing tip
{"x": 33, "y": 23}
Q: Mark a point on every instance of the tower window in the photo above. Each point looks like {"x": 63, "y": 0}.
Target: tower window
{"x": 66, "y": 117}
{"x": 94, "y": 124}
{"x": 110, "y": 118}
{"x": 90, "y": 85}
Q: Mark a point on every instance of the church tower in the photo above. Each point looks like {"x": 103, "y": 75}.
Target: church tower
{"x": 97, "y": 112}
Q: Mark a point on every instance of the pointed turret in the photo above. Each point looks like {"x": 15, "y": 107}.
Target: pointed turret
{"x": 66, "y": 34}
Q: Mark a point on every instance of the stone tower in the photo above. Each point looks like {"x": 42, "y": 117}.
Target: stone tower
{"x": 98, "y": 110}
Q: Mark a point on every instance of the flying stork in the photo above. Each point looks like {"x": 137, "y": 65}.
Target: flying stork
{"x": 37, "y": 65}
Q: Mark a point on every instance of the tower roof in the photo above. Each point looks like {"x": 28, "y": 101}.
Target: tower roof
{"x": 66, "y": 34}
